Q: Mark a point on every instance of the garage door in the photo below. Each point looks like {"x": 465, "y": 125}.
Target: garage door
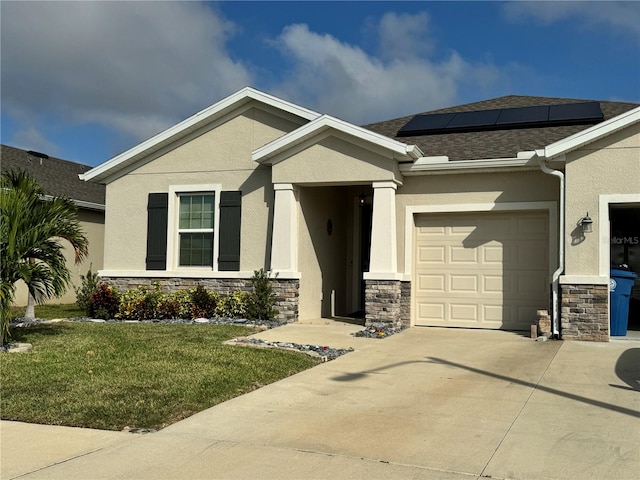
{"x": 481, "y": 270}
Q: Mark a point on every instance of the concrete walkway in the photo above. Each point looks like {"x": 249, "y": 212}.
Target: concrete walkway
{"x": 425, "y": 403}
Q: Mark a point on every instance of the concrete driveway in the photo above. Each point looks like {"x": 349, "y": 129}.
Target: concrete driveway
{"x": 426, "y": 403}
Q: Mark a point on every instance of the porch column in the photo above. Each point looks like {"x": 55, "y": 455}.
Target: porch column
{"x": 284, "y": 239}
{"x": 384, "y": 258}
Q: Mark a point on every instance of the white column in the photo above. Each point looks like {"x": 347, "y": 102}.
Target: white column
{"x": 284, "y": 239}
{"x": 384, "y": 258}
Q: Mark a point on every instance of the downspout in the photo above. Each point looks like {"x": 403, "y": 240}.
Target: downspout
{"x": 556, "y": 275}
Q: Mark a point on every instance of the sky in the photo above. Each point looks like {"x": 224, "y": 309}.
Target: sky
{"x": 85, "y": 81}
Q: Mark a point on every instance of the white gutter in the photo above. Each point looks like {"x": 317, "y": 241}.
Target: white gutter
{"x": 556, "y": 275}
{"x": 80, "y": 203}
{"x": 442, "y": 164}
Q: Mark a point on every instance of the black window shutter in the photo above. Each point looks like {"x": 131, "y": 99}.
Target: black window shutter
{"x": 157, "y": 210}
{"x": 229, "y": 231}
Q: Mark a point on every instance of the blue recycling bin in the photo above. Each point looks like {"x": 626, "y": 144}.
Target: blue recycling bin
{"x": 620, "y": 286}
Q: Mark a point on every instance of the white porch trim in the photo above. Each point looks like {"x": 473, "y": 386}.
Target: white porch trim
{"x": 384, "y": 251}
{"x": 284, "y": 237}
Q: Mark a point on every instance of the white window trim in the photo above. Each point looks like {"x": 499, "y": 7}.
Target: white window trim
{"x": 604, "y": 226}
{"x": 173, "y": 243}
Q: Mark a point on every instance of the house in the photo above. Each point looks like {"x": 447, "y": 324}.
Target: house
{"x": 60, "y": 178}
{"x": 472, "y": 216}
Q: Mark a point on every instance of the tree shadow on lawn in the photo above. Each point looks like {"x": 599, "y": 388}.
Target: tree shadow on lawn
{"x": 20, "y": 334}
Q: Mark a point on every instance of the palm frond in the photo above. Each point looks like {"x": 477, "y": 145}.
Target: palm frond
{"x": 32, "y": 232}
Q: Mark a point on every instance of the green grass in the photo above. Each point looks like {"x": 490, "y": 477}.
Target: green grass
{"x": 51, "y": 311}
{"x": 112, "y": 375}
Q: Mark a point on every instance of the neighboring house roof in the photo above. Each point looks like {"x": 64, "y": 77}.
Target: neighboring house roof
{"x": 193, "y": 123}
{"x": 57, "y": 177}
{"x": 497, "y": 143}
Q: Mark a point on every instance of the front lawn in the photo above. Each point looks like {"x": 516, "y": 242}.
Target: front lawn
{"x": 69, "y": 310}
{"x": 137, "y": 375}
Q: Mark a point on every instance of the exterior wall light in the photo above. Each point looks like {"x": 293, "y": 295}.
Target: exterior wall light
{"x": 362, "y": 198}
{"x": 586, "y": 223}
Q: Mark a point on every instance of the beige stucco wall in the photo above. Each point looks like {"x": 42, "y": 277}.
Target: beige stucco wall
{"x": 609, "y": 166}
{"x": 467, "y": 189}
{"x": 334, "y": 160}
{"x": 221, "y": 155}
{"x": 92, "y": 224}
{"x": 324, "y": 259}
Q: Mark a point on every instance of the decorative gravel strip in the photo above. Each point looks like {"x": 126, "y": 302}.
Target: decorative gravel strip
{"x": 379, "y": 330}
{"x": 15, "y": 347}
{"x": 264, "y": 324}
{"x": 325, "y": 353}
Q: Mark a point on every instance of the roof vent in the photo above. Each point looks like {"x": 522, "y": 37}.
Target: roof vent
{"x": 38, "y": 154}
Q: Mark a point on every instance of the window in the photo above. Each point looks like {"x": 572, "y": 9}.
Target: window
{"x": 194, "y": 226}
{"x": 196, "y": 230}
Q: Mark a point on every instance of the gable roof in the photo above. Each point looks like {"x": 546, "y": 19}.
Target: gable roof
{"x": 193, "y": 123}
{"x": 57, "y": 177}
{"x": 325, "y": 123}
{"x": 496, "y": 143}
{"x": 592, "y": 134}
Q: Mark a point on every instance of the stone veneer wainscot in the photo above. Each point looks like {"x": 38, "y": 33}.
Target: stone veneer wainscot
{"x": 387, "y": 301}
{"x": 285, "y": 290}
{"x": 584, "y": 312}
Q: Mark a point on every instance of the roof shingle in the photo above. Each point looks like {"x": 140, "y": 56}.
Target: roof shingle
{"x": 496, "y": 143}
{"x": 57, "y": 177}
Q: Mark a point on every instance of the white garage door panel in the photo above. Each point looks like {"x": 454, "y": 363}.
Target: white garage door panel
{"x": 431, "y": 255}
{"x": 463, "y": 283}
{"x": 431, "y": 283}
{"x": 484, "y": 270}
{"x": 431, "y": 311}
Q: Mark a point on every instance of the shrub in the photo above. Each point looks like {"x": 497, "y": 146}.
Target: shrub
{"x": 129, "y": 304}
{"x": 234, "y": 305}
{"x": 104, "y": 302}
{"x": 89, "y": 286}
{"x": 139, "y": 303}
{"x": 183, "y": 299}
{"x": 168, "y": 307}
{"x": 262, "y": 300}
{"x": 203, "y": 303}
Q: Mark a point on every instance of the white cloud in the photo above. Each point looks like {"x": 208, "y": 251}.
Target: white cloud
{"x": 31, "y": 138}
{"x": 403, "y": 36}
{"x": 343, "y": 80}
{"x": 139, "y": 67}
{"x": 130, "y": 66}
{"x": 617, "y": 17}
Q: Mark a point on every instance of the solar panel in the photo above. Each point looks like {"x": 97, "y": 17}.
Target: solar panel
{"x": 587, "y": 112}
{"x": 523, "y": 115}
{"x": 421, "y": 124}
{"x": 482, "y": 118}
{"x": 503, "y": 119}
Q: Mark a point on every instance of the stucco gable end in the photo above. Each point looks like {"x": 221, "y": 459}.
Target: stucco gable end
{"x": 227, "y": 108}
{"x": 325, "y": 126}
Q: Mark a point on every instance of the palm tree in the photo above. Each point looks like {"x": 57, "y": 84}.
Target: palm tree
{"x": 31, "y": 229}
